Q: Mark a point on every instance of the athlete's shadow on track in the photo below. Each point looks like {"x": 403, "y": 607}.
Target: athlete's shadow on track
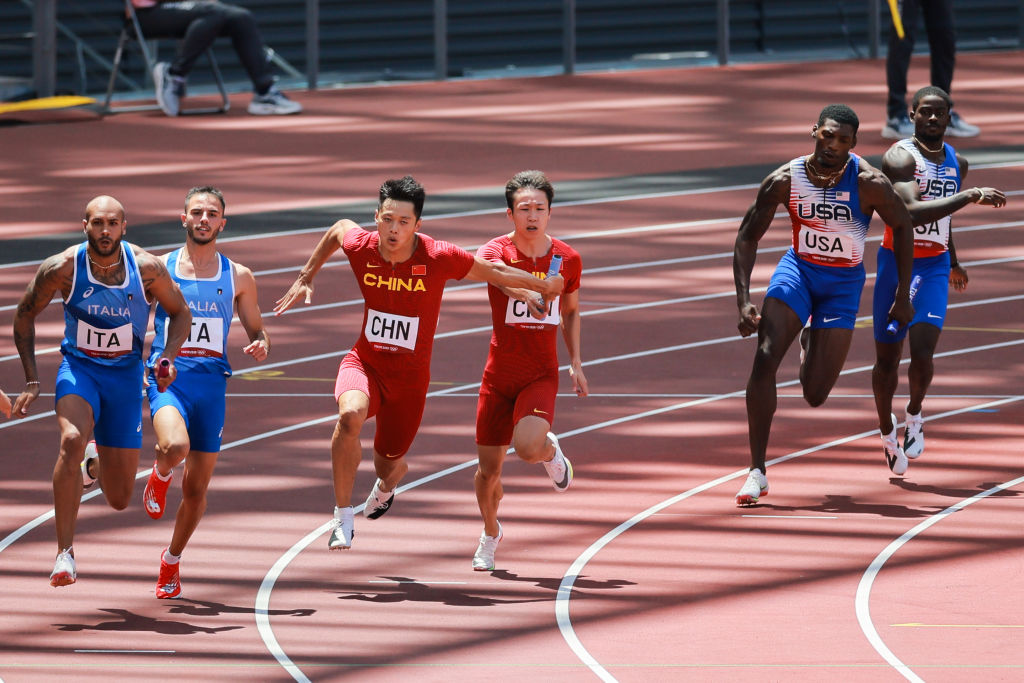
{"x": 136, "y": 622}
{"x": 959, "y": 494}
{"x": 552, "y": 583}
{"x": 409, "y": 590}
{"x": 848, "y": 506}
{"x": 204, "y": 608}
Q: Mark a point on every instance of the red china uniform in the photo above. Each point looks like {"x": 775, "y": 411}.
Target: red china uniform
{"x": 521, "y": 375}
{"x": 390, "y": 362}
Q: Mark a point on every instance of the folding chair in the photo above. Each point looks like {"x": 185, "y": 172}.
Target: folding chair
{"x": 132, "y": 31}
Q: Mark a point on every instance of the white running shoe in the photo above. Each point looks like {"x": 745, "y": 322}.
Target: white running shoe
{"x": 91, "y": 454}
{"x": 913, "y": 436}
{"x": 894, "y": 455}
{"x": 378, "y": 502}
{"x": 342, "y": 529}
{"x": 483, "y": 558}
{"x": 273, "y": 103}
{"x": 64, "y": 572}
{"x": 752, "y": 490}
{"x": 559, "y": 468}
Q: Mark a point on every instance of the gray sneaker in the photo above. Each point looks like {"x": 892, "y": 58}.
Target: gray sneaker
{"x": 274, "y": 102}
{"x": 169, "y": 89}
{"x": 898, "y": 127}
{"x": 958, "y": 128}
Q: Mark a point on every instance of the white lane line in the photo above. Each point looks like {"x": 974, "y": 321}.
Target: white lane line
{"x": 576, "y": 568}
{"x": 863, "y": 599}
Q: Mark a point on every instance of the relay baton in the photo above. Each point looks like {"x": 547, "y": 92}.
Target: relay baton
{"x": 163, "y": 369}
{"x": 556, "y": 265}
{"x": 893, "y": 326}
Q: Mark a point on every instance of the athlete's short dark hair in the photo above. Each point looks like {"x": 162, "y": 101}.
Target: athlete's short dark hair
{"x": 205, "y": 189}
{"x": 534, "y": 179}
{"x": 840, "y": 113}
{"x": 405, "y": 189}
{"x": 928, "y": 91}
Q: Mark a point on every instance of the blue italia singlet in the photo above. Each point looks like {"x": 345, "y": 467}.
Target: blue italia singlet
{"x": 105, "y": 324}
{"x": 211, "y": 301}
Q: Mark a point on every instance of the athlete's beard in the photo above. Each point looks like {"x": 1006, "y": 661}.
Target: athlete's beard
{"x": 95, "y": 246}
{"x": 191, "y": 231}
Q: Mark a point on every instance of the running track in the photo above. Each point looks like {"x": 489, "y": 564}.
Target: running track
{"x": 645, "y": 570}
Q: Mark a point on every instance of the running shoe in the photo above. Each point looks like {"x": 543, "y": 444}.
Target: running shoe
{"x": 483, "y": 558}
{"x": 913, "y": 437}
{"x": 64, "y": 572}
{"x": 91, "y": 455}
{"x": 168, "y": 584}
{"x": 378, "y": 502}
{"x": 155, "y": 496}
{"x": 274, "y": 102}
{"x": 559, "y": 468}
{"x": 894, "y": 455}
{"x": 898, "y": 127}
{"x": 169, "y": 89}
{"x": 341, "y": 530}
{"x": 752, "y": 489}
{"x": 958, "y": 128}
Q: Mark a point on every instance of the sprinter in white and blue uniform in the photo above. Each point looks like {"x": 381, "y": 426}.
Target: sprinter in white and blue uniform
{"x": 928, "y": 174}
{"x": 830, "y": 195}
{"x": 106, "y": 285}
{"x": 189, "y": 417}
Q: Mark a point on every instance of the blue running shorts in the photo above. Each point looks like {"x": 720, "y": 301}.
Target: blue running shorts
{"x": 929, "y": 302}
{"x": 199, "y": 399}
{"x": 115, "y": 395}
{"x": 829, "y": 295}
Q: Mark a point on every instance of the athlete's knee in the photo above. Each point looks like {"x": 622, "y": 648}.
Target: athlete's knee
{"x": 531, "y": 450}
{"x": 350, "y": 422}
{"x": 816, "y": 395}
{"x": 71, "y": 442}
{"x": 171, "y": 450}
{"x": 118, "y": 497}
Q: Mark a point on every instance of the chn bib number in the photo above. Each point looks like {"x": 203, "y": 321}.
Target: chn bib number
{"x": 518, "y": 313}
{"x": 104, "y": 343}
{"x": 391, "y": 332}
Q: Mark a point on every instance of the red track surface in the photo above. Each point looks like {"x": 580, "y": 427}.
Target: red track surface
{"x": 644, "y": 570}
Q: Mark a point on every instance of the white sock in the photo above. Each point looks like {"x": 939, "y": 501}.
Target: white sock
{"x": 162, "y": 477}
{"x": 341, "y": 513}
{"x": 171, "y": 559}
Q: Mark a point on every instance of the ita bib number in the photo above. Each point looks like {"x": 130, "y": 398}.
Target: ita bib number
{"x": 104, "y": 343}
{"x": 518, "y": 313}
{"x": 205, "y": 339}
{"x": 825, "y": 247}
{"x": 391, "y": 332}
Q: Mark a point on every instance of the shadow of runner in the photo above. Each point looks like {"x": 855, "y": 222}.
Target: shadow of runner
{"x": 410, "y": 590}
{"x": 205, "y": 608}
{"x": 136, "y": 622}
{"x": 552, "y": 583}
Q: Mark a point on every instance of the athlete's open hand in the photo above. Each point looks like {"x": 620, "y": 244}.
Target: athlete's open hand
{"x": 990, "y": 196}
{"x": 5, "y": 404}
{"x": 299, "y": 290}
{"x": 579, "y": 380}
{"x": 749, "y": 320}
{"x": 29, "y": 394}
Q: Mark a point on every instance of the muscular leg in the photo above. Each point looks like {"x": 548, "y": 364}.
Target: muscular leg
{"x": 884, "y": 380}
{"x": 172, "y": 442}
{"x": 924, "y": 337}
{"x": 487, "y": 483}
{"x": 778, "y": 328}
{"x": 74, "y": 417}
{"x": 530, "y": 440}
{"x": 389, "y": 470}
{"x": 826, "y": 354}
{"x": 194, "y": 483}
{"x": 346, "y": 452}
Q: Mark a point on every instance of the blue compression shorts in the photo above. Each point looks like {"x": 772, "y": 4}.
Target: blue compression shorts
{"x": 929, "y": 302}
{"x": 199, "y": 399}
{"x": 115, "y": 395}
{"x": 829, "y": 295}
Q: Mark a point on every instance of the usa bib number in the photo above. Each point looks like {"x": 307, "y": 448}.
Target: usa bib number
{"x": 104, "y": 343}
{"x": 825, "y": 247}
{"x": 205, "y": 339}
{"x": 932, "y": 235}
{"x": 391, "y": 332}
{"x": 517, "y": 313}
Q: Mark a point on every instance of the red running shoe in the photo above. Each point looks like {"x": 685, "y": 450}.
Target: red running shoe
{"x": 155, "y": 496}
{"x": 168, "y": 584}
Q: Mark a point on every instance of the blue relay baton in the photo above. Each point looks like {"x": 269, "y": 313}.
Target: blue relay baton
{"x": 556, "y": 265}
{"x": 893, "y": 326}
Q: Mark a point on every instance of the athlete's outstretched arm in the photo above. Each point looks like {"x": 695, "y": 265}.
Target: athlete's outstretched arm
{"x": 570, "y": 311}
{"x": 302, "y": 288}
{"x": 774, "y": 190}
{"x": 54, "y": 274}
{"x": 248, "y": 309}
{"x": 899, "y": 166}
{"x": 501, "y": 275}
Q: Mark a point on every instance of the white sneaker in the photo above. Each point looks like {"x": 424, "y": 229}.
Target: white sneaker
{"x": 483, "y": 558}
{"x": 559, "y": 468}
{"x": 169, "y": 89}
{"x": 274, "y": 102}
{"x": 752, "y": 490}
{"x": 894, "y": 455}
{"x": 913, "y": 436}
{"x": 342, "y": 529}
{"x": 64, "y": 572}
{"x": 378, "y": 502}
{"x": 91, "y": 455}
{"x": 958, "y": 128}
